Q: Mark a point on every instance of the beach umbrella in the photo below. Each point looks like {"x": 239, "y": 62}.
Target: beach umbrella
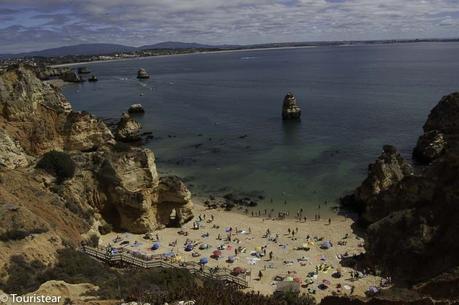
{"x": 231, "y": 259}
{"x": 326, "y": 282}
{"x": 155, "y": 246}
{"x": 289, "y": 279}
{"x": 297, "y": 280}
{"x": 238, "y": 270}
{"x": 217, "y": 253}
{"x": 203, "y": 260}
{"x": 228, "y": 229}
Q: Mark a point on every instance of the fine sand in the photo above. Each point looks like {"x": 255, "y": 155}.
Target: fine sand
{"x": 285, "y": 258}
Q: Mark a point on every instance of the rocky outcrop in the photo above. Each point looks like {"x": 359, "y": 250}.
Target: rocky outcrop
{"x": 84, "y": 132}
{"x": 136, "y": 108}
{"x": 441, "y": 130}
{"x": 412, "y": 221}
{"x": 128, "y": 129}
{"x": 71, "y": 77}
{"x": 389, "y": 169}
{"x": 11, "y": 153}
{"x": 111, "y": 183}
{"x": 290, "y": 108}
{"x": 175, "y": 206}
{"x": 430, "y": 146}
{"x": 142, "y": 74}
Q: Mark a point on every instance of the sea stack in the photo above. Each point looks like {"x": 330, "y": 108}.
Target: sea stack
{"x": 142, "y": 74}
{"x": 136, "y": 108}
{"x": 290, "y": 109}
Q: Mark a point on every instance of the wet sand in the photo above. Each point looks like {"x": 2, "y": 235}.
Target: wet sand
{"x": 286, "y": 261}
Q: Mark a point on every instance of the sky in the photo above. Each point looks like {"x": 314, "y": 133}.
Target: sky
{"x": 27, "y": 25}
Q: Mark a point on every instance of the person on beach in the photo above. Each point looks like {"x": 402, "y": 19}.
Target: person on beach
{"x": 329, "y": 221}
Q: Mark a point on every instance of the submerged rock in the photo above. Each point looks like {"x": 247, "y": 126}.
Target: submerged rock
{"x": 128, "y": 129}
{"x": 290, "y": 108}
{"x": 142, "y": 74}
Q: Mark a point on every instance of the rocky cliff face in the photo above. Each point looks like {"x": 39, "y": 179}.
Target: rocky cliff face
{"x": 441, "y": 131}
{"x": 115, "y": 183}
{"x": 128, "y": 129}
{"x": 388, "y": 170}
{"x": 413, "y": 218}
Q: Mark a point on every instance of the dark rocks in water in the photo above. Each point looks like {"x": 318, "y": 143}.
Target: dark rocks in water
{"x": 441, "y": 130}
{"x": 71, "y": 77}
{"x": 240, "y": 200}
{"x": 290, "y": 108}
{"x": 136, "y": 108}
{"x": 128, "y": 129}
{"x": 83, "y": 70}
{"x": 142, "y": 74}
{"x": 93, "y": 78}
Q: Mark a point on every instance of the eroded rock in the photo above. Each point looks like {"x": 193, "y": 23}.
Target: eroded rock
{"x": 128, "y": 129}
{"x": 290, "y": 108}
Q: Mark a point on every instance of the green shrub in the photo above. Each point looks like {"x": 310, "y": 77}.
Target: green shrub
{"x": 59, "y": 164}
{"x": 18, "y": 234}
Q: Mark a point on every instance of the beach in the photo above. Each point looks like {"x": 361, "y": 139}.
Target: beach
{"x": 248, "y": 235}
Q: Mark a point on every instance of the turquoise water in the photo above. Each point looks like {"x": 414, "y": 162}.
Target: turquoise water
{"x": 354, "y": 100}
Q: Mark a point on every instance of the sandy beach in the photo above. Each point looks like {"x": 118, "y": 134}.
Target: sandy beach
{"x": 312, "y": 265}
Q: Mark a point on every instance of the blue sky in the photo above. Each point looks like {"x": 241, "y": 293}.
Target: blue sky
{"x": 27, "y": 25}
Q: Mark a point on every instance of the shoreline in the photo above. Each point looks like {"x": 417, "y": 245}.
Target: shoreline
{"x": 185, "y": 54}
{"x": 297, "y": 256}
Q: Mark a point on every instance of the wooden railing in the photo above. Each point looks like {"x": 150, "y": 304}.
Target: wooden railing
{"x": 222, "y": 274}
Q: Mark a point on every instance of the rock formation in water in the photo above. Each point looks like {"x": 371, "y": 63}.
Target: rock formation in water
{"x": 71, "y": 77}
{"x": 128, "y": 129}
{"x": 136, "y": 108}
{"x": 413, "y": 218}
{"x": 112, "y": 182}
{"x": 290, "y": 108}
{"x": 142, "y": 74}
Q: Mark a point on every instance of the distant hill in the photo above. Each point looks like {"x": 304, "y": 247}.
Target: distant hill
{"x": 106, "y": 48}
{"x": 80, "y": 49}
{"x": 176, "y": 45}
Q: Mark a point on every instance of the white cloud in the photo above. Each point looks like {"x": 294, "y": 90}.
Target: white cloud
{"x": 140, "y": 22}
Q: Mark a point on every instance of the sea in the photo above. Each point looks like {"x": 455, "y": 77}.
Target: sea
{"x": 216, "y": 117}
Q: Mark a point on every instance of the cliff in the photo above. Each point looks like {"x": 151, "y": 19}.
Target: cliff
{"x": 95, "y": 180}
{"x": 412, "y": 218}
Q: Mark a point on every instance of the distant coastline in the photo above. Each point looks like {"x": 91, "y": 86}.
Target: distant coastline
{"x": 183, "y": 54}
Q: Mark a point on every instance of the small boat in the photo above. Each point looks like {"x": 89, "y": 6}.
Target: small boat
{"x": 93, "y": 78}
